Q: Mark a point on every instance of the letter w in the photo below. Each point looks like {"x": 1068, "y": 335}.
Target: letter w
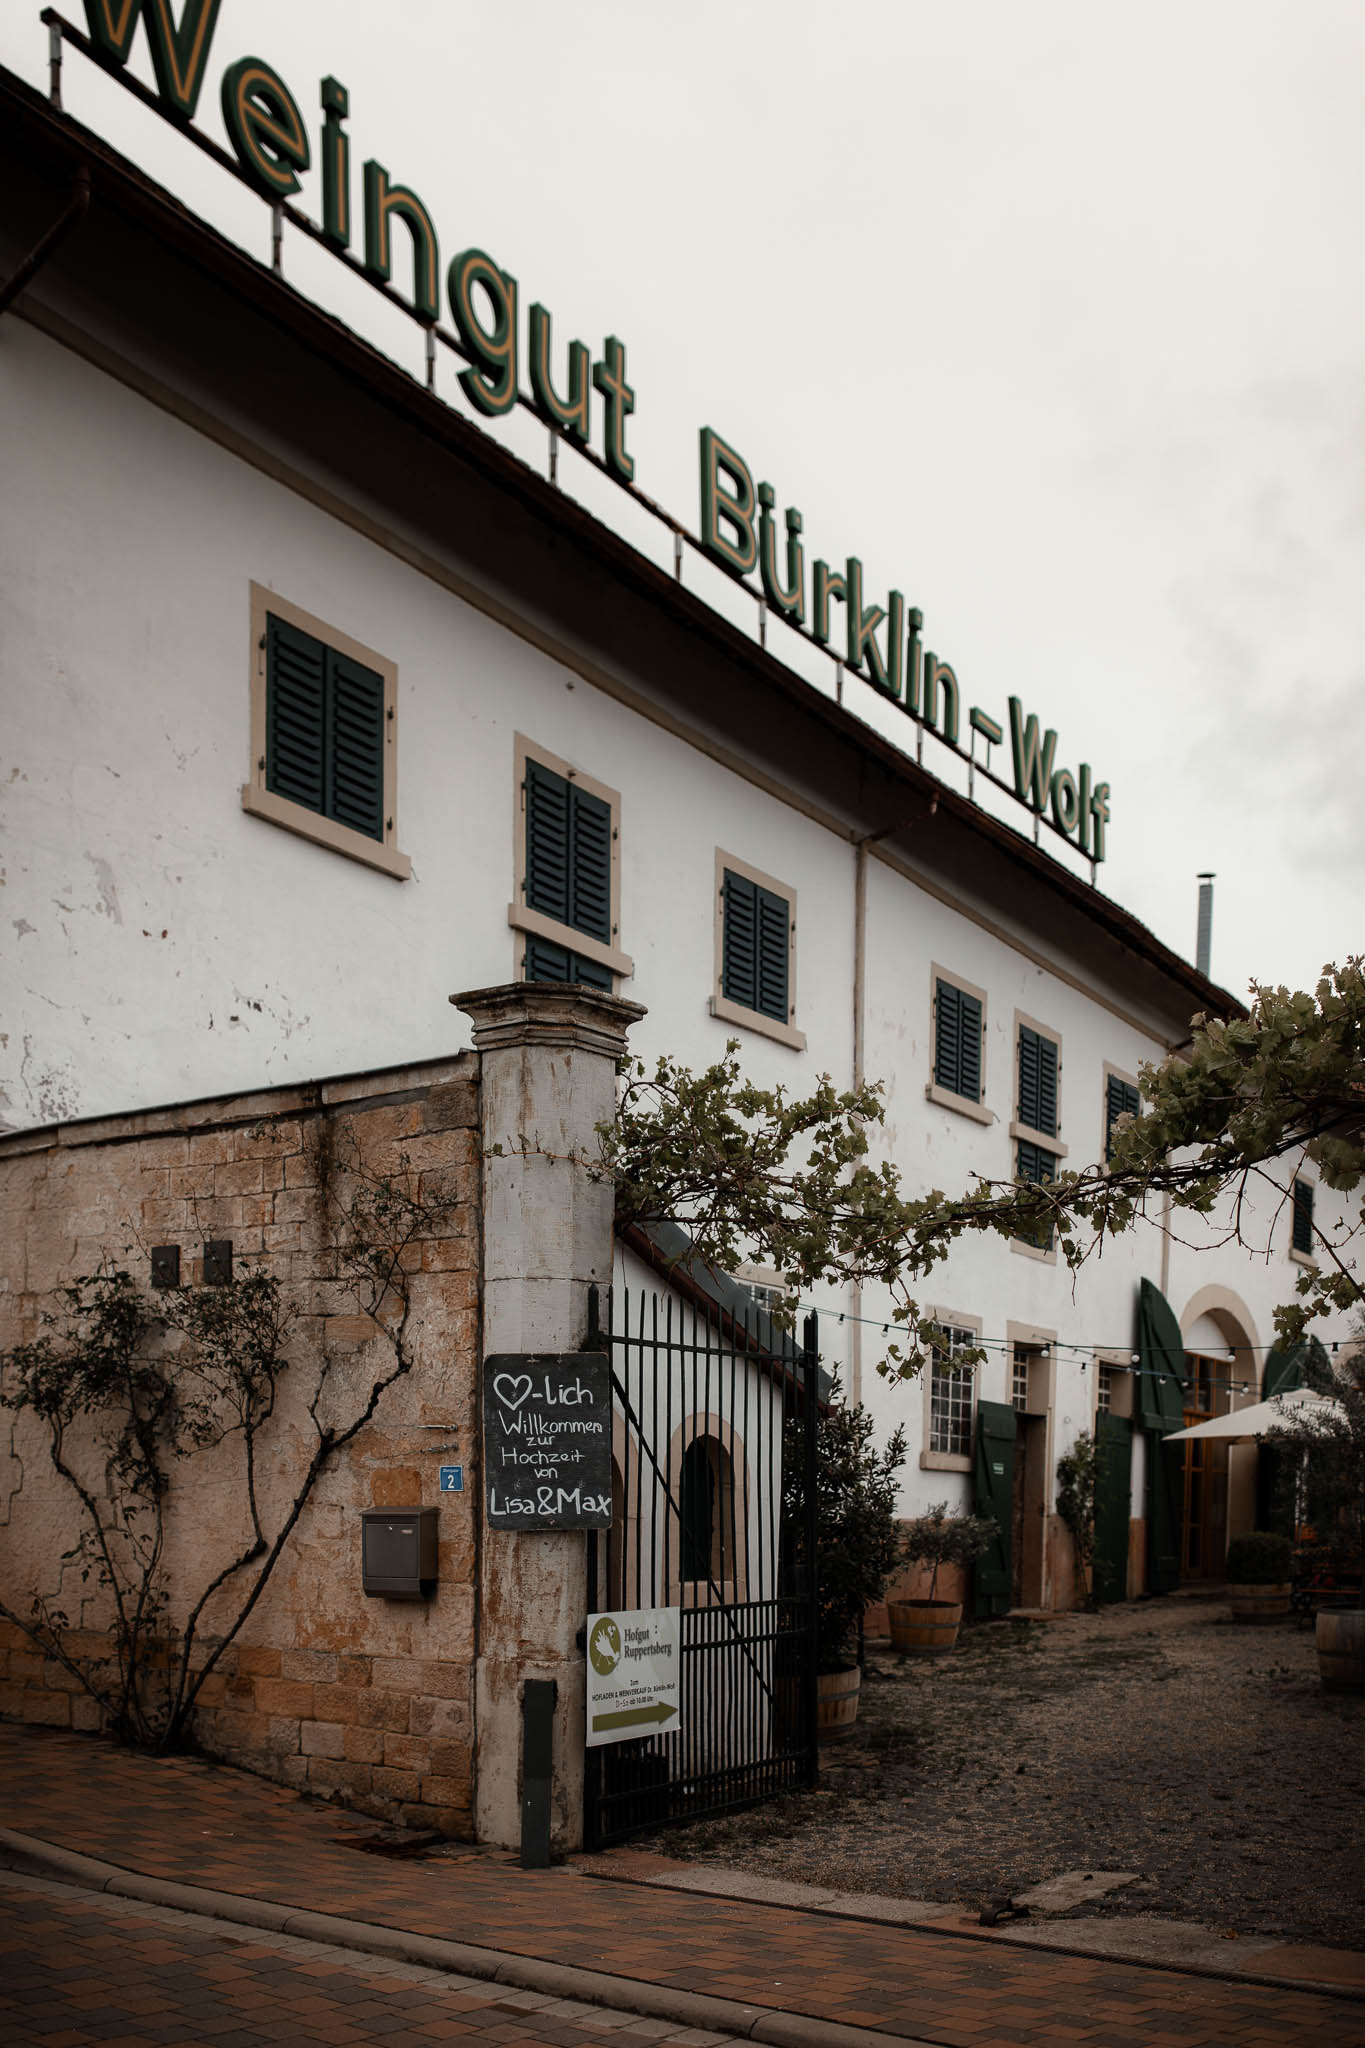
{"x": 1032, "y": 763}
{"x": 180, "y": 55}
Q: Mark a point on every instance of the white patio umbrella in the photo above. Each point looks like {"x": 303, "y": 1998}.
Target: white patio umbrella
{"x": 1241, "y": 1425}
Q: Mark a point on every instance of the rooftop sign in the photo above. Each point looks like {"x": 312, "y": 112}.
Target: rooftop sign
{"x": 740, "y": 529}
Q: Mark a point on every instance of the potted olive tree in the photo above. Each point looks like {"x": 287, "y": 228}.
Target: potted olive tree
{"x": 929, "y": 1627}
{"x": 1259, "y": 1573}
{"x": 855, "y": 1544}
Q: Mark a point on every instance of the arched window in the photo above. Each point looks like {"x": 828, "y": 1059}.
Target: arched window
{"x": 706, "y": 1511}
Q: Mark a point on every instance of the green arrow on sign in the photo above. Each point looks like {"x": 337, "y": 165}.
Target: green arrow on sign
{"x": 634, "y": 1717}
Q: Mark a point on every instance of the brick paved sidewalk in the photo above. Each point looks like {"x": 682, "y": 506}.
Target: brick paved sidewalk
{"x": 77, "y": 1968}
{"x": 206, "y": 1825}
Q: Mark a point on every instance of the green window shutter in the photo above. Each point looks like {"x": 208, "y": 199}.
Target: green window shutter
{"x": 324, "y": 719}
{"x": 296, "y": 714}
{"x": 971, "y": 1046}
{"x": 947, "y": 1037}
{"x": 993, "y": 1494}
{"x": 547, "y": 962}
{"x": 755, "y": 947}
{"x": 957, "y": 1041}
{"x": 547, "y": 843}
{"x": 1037, "y": 1081}
{"x": 589, "y": 863}
{"x": 1035, "y": 1165}
{"x": 1121, "y": 1099}
{"x": 355, "y": 745}
{"x": 739, "y": 941}
{"x": 774, "y": 939}
{"x": 568, "y": 855}
{"x": 1303, "y": 1216}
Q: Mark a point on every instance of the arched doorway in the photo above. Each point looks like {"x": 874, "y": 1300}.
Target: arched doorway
{"x": 1218, "y": 1479}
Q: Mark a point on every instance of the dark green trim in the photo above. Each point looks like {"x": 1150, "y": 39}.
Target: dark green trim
{"x": 572, "y": 415}
{"x": 180, "y": 54}
{"x": 264, "y": 126}
{"x": 491, "y": 385}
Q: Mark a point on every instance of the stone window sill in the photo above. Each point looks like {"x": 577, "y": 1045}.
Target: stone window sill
{"x": 944, "y": 1461}
{"x": 1038, "y": 1138}
{"x": 961, "y": 1105}
{"x": 754, "y": 1020}
{"x": 541, "y": 927}
{"x": 278, "y": 810}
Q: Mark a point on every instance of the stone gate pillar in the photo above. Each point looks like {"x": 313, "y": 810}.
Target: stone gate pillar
{"x": 547, "y": 1054}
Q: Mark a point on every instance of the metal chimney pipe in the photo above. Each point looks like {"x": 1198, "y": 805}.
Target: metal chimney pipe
{"x": 1203, "y": 945}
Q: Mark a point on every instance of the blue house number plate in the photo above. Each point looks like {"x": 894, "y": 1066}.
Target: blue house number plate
{"x": 452, "y": 1478}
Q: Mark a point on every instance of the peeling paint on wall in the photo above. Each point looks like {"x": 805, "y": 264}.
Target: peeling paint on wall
{"x": 108, "y": 904}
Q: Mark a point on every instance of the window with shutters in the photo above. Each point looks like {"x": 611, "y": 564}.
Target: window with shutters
{"x": 949, "y": 1394}
{"x": 1301, "y": 1227}
{"x": 1121, "y": 1098}
{"x": 958, "y": 1041}
{"x": 755, "y": 964}
{"x": 1035, "y": 1165}
{"x": 566, "y": 906}
{"x": 1037, "y": 1118}
{"x": 323, "y": 734}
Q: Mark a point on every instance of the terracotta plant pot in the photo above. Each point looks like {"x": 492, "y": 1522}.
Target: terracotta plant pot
{"x": 926, "y": 1628}
{"x": 1259, "y": 1603}
{"x": 1341, "y": 1648}
{"x": 836, "y": 1702}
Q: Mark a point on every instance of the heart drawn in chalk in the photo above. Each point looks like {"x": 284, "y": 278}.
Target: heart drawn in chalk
{"x": 512, "y": 1392}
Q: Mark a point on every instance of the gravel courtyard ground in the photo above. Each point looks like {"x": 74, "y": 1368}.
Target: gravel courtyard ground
{"x": 1159, "y": 1737}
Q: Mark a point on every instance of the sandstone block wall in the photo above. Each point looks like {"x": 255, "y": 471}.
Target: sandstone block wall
{"x": 364, "y": 1699}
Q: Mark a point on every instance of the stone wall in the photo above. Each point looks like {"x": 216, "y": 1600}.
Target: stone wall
{"x": 363, "y": 1698}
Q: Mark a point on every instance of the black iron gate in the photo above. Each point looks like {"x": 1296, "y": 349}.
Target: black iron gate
{"x": 710, "y": 1410}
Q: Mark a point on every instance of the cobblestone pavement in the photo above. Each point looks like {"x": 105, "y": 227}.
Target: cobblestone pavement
{"x": 204, "y": 1825}
{"x": 77, "y": 1968}
{"x": 1160, "y": 1738}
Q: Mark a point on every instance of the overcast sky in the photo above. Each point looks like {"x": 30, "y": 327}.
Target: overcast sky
{"x": 1054, "y": 313}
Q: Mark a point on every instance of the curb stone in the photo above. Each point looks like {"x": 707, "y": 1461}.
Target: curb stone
{"x": 697, "y": 2009}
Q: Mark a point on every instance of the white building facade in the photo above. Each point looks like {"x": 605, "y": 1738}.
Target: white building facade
{"x": 320, "y": 705}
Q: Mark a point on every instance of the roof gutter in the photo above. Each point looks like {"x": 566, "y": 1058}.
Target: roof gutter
{"x": 37, "y": 256}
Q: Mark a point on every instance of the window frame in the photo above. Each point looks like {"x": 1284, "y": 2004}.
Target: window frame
{"x": 1044, "y": 1140}
{"x": 1113, "y": 1073}
{"x": 535, "y": 923}
{"x": 946, "y": 1098}
{"x": 949, "y": 1461}
{"x": 721, "y": 1006}
{"x": 259, "y": 801}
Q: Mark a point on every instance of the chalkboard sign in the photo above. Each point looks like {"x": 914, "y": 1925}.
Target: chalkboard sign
{"x": 547, "y": 1440}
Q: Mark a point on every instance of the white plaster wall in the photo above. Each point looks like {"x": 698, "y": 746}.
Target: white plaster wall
{"x": 159, "y": 943}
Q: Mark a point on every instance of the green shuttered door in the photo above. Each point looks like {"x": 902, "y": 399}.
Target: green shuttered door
{"x": 993, "y": 1494}
{"x": 1114, "y": 1438}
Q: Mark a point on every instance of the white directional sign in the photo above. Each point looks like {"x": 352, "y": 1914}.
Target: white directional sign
{"x": 634, "y": 1664}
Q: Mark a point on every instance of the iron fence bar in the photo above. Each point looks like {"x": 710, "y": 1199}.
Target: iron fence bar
{"x": 811, "y": 1422}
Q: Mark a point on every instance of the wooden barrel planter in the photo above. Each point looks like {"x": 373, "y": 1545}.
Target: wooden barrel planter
{"x": 1341, "y": 1648}
{"x": 836, "y": 1702}
{"x": 1259, "y": 1603}
{"x": 926, "y": 1628}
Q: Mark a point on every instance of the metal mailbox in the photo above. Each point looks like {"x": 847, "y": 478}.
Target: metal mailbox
{"x": 398, "y": 1552}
